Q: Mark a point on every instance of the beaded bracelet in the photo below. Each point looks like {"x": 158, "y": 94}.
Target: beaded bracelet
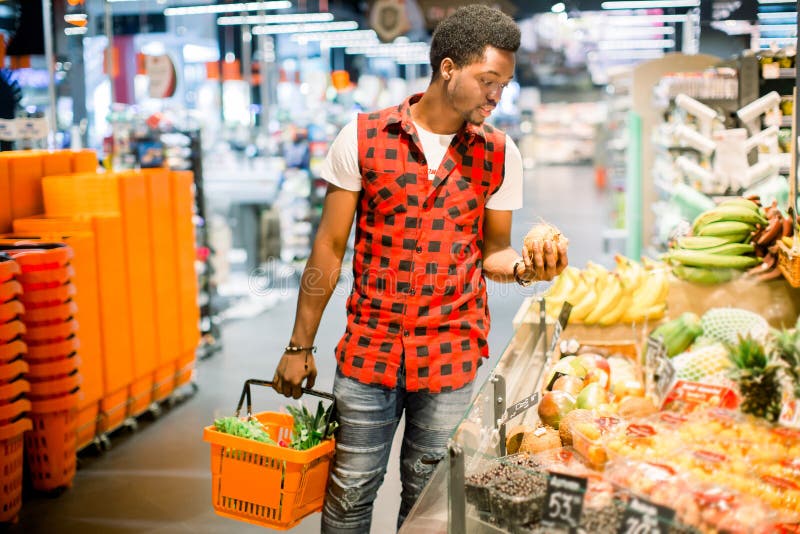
{"x": 295, "y": 349}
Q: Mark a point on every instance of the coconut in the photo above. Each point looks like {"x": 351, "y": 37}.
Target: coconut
{"x": 541, "y": 439}
{"x": 515, "y": 437}
{"x": 575, "y": 416}
{"x": 544, "y": 232}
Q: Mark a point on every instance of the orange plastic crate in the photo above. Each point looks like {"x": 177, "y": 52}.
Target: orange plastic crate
{"x": 164, "y": 381}
{"x": 56, "y": 162}
{"x": 6, "y": 217}
{"x": 11, "y": 331}
{"x": 53, "y": 351}
{"x": 11, "y": 411}
{"x": 12, "y": 351}
{"x": 185, "y": 369}
{"x": 84, "y": 161}
{"x": 267, "y": 485}
{"x": 41, "y": 298}
{"x": 182, "y": 193}
{"x": 51, "y": 446}
{"x": 11, "y": 310}
{"x": 24, "y": 171}
{"x": 51, "y": 314}
{"x": 140, "y": 395}
{"x": 10, "y": 289}
{"x": 113, "y": 410}
{"x": 42, "y": 335}
{"x": 10, "y": 392}
{"x": 132, "y": 190}
{"x": 165, "y": 270}
{"x": 79, "y": 194}
{"x": 12, "y": 371}
{"x": 11, "y": 468}
{"x": 8, "y": 268}
{"x": 88, "y": 424}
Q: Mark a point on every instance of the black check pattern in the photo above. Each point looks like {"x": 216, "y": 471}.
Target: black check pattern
{"x": 419, "y": 295}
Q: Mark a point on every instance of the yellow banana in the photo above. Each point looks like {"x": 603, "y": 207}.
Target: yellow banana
{"x": 579, "y": 291}
{"x": 609, "y": 296}
{"x": 650, "y": 291}
{"x": 613, "y": 316}
{"x": 585, "y": 306}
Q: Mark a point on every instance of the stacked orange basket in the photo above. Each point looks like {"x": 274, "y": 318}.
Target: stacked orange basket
{"x": 263, "y": 484}
{"x": 13, "y": 387}
{"x": 51, "y": 339}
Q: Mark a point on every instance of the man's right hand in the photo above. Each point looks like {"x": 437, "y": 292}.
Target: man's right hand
{"x": 292, "y": 370}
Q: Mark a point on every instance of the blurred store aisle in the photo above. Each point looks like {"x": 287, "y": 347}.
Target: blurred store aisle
{"x": 157, "y": 479}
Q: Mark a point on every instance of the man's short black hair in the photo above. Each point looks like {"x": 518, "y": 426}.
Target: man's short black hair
{"x": 464, "y": 35}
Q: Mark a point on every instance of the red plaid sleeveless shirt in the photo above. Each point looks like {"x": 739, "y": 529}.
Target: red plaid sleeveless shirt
{"x": 419, "y": 296}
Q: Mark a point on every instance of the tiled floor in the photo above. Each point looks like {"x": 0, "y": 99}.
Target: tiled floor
{"x": 157, "y": 479}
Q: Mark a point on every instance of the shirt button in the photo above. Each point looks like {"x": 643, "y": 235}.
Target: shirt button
{"x": 406, "y": 333}
{"x": 419, "y": 250}
{"x": 412, "y": 292}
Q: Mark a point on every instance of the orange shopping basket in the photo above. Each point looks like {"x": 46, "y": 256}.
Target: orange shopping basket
{"x": 263, "y": 484}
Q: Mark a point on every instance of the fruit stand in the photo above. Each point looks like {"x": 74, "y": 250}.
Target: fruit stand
{"x": 650, "y": 434}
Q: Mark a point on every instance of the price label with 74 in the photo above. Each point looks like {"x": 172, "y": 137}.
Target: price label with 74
{"x": 645, "y": 517}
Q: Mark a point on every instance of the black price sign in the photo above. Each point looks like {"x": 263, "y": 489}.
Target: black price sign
{"x": 659, "y": 366}
{"x": 561, "y": 324}
{"x": 645, "y": 517}
{"x": 564, "y": 501}
{"x": 521, "y": 406}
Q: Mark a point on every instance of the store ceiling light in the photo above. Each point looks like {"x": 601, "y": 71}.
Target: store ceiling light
{"x": 776, "y": 1}
{"x": 616, "y": 55}
{"x": 227, "y": 8}
{"x": 310, "y": 27}
{"x": 558, "y": 8}
{"x": 78, "y": 30}
{"x": 275, "y": 19}
{"x": 641, "y": 20}
{"x": 621, "y": 32}
{"x": 635, "y": 45}
{"x": 367, "y": 35}
{"x": 649, "y": 4}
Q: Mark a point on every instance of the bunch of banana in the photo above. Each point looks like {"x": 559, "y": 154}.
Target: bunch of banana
{"x": 632, "y": 292}
{"x": 766, "y": 240}
{"x": 720, "y": 246}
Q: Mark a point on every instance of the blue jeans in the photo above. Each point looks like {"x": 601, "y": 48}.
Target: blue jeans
{"x": 368, "y": 416}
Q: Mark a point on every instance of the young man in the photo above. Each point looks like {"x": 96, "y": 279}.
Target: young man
{"x": 432, "y": 188}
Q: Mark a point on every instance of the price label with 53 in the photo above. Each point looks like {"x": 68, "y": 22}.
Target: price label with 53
{"x": 564, "y": 501}
{"x": 645, "y": 517}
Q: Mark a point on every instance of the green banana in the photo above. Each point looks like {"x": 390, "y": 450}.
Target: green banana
{"x": 701, "y": 258}
{"x": 741, "y": 202}
{"x": 679, "y": 333}
{"x": 701, "y": 275}
{"x": 725, "y": 228}
{"x": 728, "y": 213}
{"x": 731, "y": 249}
{"x": 697, "y": 242}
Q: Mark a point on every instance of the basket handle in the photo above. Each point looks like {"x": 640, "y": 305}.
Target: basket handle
{"x": 268, "y": 383}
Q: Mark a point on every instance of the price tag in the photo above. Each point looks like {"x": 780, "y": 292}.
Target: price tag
{"x": 659, "y": 367}
{"x": 645, "y": 517}
{"x": 563, "y": 319}
{"x": 520, "y": 407}
{"x": 564, "y": 501}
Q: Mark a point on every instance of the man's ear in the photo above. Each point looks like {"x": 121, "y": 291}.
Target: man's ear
{"x": 447, "y": 67}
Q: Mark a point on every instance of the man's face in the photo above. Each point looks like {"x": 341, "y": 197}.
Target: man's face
{"x": 475, "y": 89}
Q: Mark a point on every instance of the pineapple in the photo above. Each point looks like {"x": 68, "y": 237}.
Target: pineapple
{"x": 787, "y": 345}
{"x": 758, "y": 378}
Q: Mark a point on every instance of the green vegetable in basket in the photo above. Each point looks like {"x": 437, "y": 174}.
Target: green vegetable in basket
{"x": 310, "y": 430}
{"x": 249, "y": 429}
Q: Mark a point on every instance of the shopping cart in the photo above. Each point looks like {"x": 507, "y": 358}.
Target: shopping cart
{"x": 264, "y": 484}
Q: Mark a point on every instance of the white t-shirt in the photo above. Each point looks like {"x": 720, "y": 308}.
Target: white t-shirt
{"x": 341, "y": 164}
